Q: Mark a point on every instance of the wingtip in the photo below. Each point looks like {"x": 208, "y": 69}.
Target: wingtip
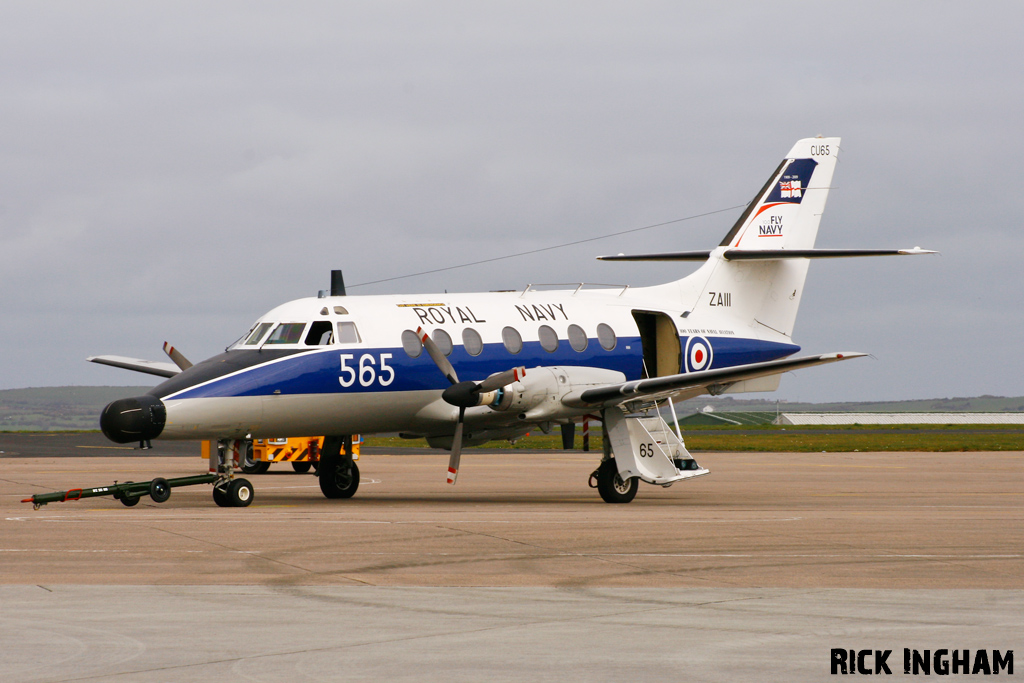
{"x": 844, "y": 355}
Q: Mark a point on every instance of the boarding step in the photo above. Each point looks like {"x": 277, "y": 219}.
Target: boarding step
{"x": 646, "y": 447}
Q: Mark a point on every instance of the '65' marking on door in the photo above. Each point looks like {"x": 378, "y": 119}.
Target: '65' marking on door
{"x": 370, "y": 369}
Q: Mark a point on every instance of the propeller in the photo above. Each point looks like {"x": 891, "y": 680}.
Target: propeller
{"x": 463, "y": 394}
{"x": 177, "y": 357}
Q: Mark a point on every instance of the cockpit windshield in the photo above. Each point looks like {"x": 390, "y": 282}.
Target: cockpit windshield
{"x": 257, "y": 334}
{"x": 325, "y": 332}
{"x": 286, "y": 333}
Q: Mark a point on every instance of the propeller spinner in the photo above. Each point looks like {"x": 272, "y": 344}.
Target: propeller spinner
{"x": 464, "y": 394}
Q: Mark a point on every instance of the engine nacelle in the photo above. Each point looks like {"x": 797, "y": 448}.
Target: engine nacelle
{"x": 538, "y": 397}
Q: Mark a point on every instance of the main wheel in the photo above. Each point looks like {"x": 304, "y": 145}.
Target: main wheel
{"x": 337, "y": 481}
{"x": 159, "y": 490}
{"x": 301, "y": 467}
{"x": 240, "y": 493}
{"x": 611, "y": 486}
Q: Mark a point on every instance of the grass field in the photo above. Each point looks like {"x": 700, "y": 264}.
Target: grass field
{"x": 770, "y": 439}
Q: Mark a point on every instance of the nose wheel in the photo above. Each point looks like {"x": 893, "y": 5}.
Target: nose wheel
{"x": 236, "y": 493}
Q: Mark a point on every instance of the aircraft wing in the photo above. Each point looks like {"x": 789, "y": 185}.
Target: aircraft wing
{"x": 150, "y": 367}
{"x": 713, "y": 380}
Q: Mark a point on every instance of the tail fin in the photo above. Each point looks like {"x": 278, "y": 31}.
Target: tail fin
{"x": 786, "y": 212}
{"x": 784, "y": 215}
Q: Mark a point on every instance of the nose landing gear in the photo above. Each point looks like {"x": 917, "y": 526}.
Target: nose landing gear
{"x": 235, "y": 493}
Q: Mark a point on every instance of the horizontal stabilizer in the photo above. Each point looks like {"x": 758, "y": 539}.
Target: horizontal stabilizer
{"x": 722, "y": 378}
{"x": 149, "y": 367}
{"x": 767, "y": 254}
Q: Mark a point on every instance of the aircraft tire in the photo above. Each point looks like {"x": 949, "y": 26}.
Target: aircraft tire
{"x": 336, "y": 481}
{"x": 610, "y": 484}
{"x": 159, "y": 490}
{"x": 220, "y": 497}
{"x": 240, "y": 493}
{"x": 301, "y": 467}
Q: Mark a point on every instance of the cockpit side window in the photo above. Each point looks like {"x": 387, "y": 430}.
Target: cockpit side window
{"x": 320, "y": 333}
{"x": 257, "y": 334}
{"x": 347, "y": 333}
{"x": 286, "y": 333}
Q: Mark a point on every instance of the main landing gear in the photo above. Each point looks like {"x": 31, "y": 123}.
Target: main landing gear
{"x": 611, "y": 486}
{"x": 339, "y": 475}
{"x": 639, "y": 448}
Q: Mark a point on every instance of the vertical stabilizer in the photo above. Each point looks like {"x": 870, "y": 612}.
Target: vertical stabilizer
{"x": 784, "y": 215}
{"x": 786, "y": 212}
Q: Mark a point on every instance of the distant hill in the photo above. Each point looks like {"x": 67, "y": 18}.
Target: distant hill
{"x": 977, "y": 404}
{"x": 68, "y": 408}
{"x": 58, "y": 408}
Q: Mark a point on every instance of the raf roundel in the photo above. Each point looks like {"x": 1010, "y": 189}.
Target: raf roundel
{"x": 698, "y": 354}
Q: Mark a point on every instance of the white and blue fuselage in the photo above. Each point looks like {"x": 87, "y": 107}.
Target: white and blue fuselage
{"x": 345, "y": 369}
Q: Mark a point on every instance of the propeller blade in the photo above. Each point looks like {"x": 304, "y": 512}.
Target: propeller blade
{"x": 502, "y": 379}
{"x": 440, "y": 360}
{"x": 175, "y": 355}
{"x": 453, "y": 461}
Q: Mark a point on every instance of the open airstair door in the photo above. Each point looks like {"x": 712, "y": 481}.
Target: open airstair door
{"x": 660, "y": 338}
{"x": 647, "y": 448}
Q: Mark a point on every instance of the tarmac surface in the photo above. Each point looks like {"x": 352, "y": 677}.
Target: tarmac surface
{"x": 519, "y": 572}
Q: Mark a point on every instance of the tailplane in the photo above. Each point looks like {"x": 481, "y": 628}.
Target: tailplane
{"x": 756, "y": 275}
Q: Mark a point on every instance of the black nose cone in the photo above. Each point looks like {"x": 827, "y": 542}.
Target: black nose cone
{"x": 133, "y": 419}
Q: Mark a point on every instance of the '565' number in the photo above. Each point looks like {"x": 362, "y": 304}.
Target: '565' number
{"x": 367, "y": 373}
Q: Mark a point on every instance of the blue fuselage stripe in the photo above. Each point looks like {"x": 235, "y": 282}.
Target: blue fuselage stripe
{"x": 320, "y": 372}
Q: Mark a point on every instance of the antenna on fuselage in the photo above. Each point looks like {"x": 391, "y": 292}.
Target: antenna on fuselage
{"x": 337, "y": 285}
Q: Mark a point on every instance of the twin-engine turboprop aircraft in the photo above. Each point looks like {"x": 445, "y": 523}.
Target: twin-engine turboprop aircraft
{"x": 463, "y": 369}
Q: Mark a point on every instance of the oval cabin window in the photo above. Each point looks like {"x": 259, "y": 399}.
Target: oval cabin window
{"x": 548, "y": 339}
{"x": 512, "y": 339}
{"x": 472, "y": 341}
{"x": 578, "y": 338}
{"x": 443, "y": 341}
{"x": 606, "y": 337}
{"x": 411, "y": 344}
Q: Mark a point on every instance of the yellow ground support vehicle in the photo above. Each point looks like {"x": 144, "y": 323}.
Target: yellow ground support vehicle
{"x": 303, "y": 452}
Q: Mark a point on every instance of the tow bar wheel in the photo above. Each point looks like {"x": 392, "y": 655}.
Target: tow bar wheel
{"x": 127, "y": 499}
{"x": 159, "y": 490}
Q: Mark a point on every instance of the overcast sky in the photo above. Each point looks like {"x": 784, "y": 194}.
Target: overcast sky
{"x": 170, "y": 171}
